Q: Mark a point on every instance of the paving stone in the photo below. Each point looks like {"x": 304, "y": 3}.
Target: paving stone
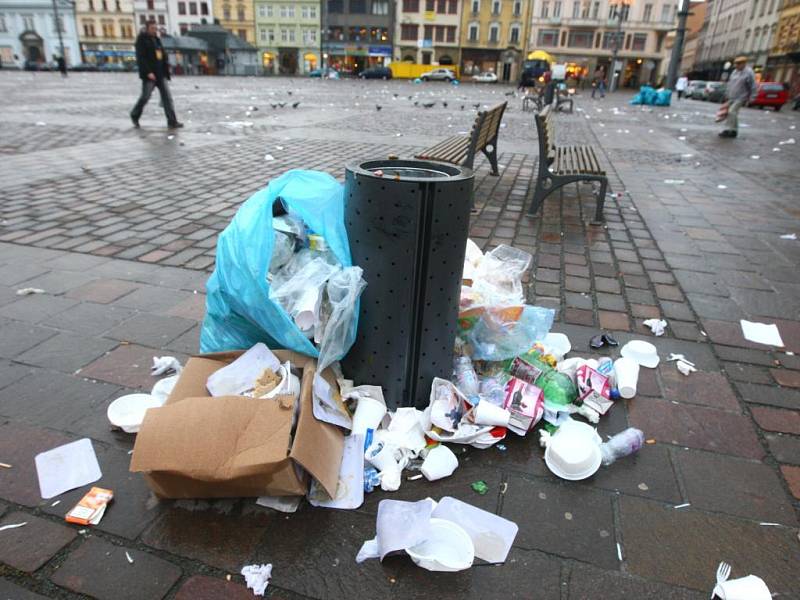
{"x": 28, "y": 548}
{"x": 743, "y": 355}
{"x": 707, "y": 389}
{"x": 582, "y": 301}
{"x": 67, "y": 352}
{"x": 613, "y": 321}
{"x": 774, "y": 419}
{"x": 589, "y": 583}
{"x": 643, "y": 311}
{"x": 19, "y": 444}
{"x": 785, "y": 448}
{"x": 102, "y": 291}
{"x": 640, "y": 296}
{"x": 692, "y": 543}
{"x": 225, "y": 541}
{"x": 701, "y": 283}
{"x": 792, "y": 476}
{"x": 747, "y": 373}
{"x": 695, "y": 427}
{"x": 786, "y": 377}
{"x": 193, "y": 308}
{"x": 716, "y": 308}
{"x": 201, "y": 587}
{"x": 12, "y": 592}
{"x": 579, "y": 317}
{"x": 58, "y": 282}
{"x": 149, "y": 298}
{"x": 94, "y": 570}
{"x": 770, "y": 395}
{"x": 610, "y": 302}
{"x": 729, "y": 334}
{"x": 742, "y": 488}
{"x": 35, "y": 308}
{"x": 568, "y": 520}
{"x": 677, "y": 310}
{"x": 151, "y": 330}
{"x": 16, "y": 274}
{"x": 89, "y": 318}
{"x": 11, "y": 372}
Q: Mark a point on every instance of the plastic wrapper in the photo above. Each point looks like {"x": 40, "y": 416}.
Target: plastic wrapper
{"x": 283, "y": 251}
{"x": 301, "y": 294}
{"x": 498, "y": 277}
{"x": 496, "y": 335}
{"x": 343, "y": 291}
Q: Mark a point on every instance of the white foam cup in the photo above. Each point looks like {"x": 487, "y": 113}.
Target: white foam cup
{"x": 486, "y": 413}
{"x": 368, "y": 415}
{"x": 626, "y": 371}
{"x": 440, "y": 463}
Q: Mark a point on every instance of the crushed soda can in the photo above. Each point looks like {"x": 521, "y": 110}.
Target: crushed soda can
{"x": 594, "y": 389}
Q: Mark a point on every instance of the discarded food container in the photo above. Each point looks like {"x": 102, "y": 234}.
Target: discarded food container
{"x": 446, "y": 548}
{"x": 127, "y": 412}
{"x": 573, "y": 452}
{"x": 642, "y": 352}
{"x": 368, "y": 415}
{"x": 486, "y": 413}
{"x": 626, "y": 373}
{"x": 440, "y": 463}
{"x": 408, "y": 230}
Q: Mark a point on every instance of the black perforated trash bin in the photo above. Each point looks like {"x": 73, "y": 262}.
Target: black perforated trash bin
{"x": 408, "y": 230}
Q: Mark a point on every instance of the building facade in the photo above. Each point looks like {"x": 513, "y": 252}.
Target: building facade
{"x": 182, "y": 15}
{"x": 107, "y": 30}
{"x": 236, "y": 16}
{"x": 357, "y": 34}
{"x": 288, "y": 36}
{"x": 29, "y": 32}
{"x": 584, "y": 33}
{"x": 493, "y": 35}
{"x": 736, "y": 27}
{"x": 145, "y": 11}
{"x": 784, "y": 60}
{"x": 427, "y": 31}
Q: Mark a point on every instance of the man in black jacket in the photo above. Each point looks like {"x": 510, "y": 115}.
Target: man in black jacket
{"x": 154, "y": 72}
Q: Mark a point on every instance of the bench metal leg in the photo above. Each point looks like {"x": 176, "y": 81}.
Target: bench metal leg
{"x": 546, "y": 185}
{"x": 492, "y": 156}
{"x": 601, "y": 201}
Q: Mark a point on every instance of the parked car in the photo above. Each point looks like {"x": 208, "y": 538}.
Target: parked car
{"x": 694, "y": 88}
{"x": 84, "y": 67}
{"x": 376, "y": 73}
{"x": 487, "y": 77}
{"x": 714, "y": 91}
{"x": 326, "y": 73}
{"x": 438, "y": 75}
{"x": 110, "y": 67}
{"x": 31, "y": 65}
{"x": 770, "y": 93}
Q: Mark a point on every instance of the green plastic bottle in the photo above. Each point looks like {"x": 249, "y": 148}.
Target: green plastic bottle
{"x": 558, "y": 388}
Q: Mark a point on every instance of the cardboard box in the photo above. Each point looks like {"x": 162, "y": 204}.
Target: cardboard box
{"x": 198, "y": 446}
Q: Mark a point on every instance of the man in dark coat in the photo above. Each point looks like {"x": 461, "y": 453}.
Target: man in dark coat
{"x": 154, "y": 73}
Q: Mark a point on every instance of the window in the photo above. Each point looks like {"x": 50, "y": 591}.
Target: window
{"x": 27, "y": 23}
{"x": 580, "y": 39}
{"x": 451, "y": 34}
{"x": 639, "y": 41}
{"x": 105, "y": 6}
{"x": 627, "y": 42}
{"x": 496, "y": 7}
{"x": 517, "y": 8}
{"x": 161, "y": 20}
{"x": 426, "y": 58}
{"x": 335, "y": 6}
{"x": 262, "y": 10}
{"x": 513, "y": 35}
{"x": 108, "y": 29}
{"x": 310, "y": 37}
{"x": 557, "y": 8}
{"x": 473, "y": 32}
{"x": 439, "y": 37}
{"x": 380, "y": 7}
{"x": 181, "y": 8}
{"x": 88, "y": 28}
{"x": 262, "y": 33}
{"x": 284, "y": 35}
{"x": 142, "y": 19}
{"x": 358, "y": 7}
{"x": 411, "y": 6}
{"x": 666, "y": 13}
{"x": 585, "y": 10}
{"x": 151, "y": 5}
{"x": 595, "y": 10}
{"x": 427, "y": 32}
{"x": 763, "y": 8}
{"x": 193, "y": 8}
{"x": 576, "y": 9}
{"x": 476, "y": 6}
{"x": 494, "y": 33}
{"x": 409, "y": 32}
{"x": 242, "y": 33}
{"x": 648, "y": 11}
{"x": 430, "y": 5}
{"x": 290, "y": 12}
{"x": 239, "y": 12}
{"x": 184, "y": 28}
{"x": 226, "y": 13}
{"x": 91, "y": 5}
{"x": 441, "y": 7}
{"x": 545, "y": 9}
{"x": 127, "y": 29}
{"x": 118, "y": 7}
{"x": 755, "y": 6}
{"x": 452, "y": 7}
{"x": 204, "y": 8}
{"x": 312, "y": 12}
{"x": 548, "y": 37}
{"x": 608, "y": 39}
{"x": 3, "y": 26}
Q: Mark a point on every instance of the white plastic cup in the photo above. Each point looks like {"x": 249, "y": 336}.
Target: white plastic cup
{"x": 368, "y": 415}
{"x": 440, "y": 463}
{"x": 486, "y": 413}
{"x": 626, "y": 371}
{"x": 382, "y": 457}
{"x": 744, "y": 588}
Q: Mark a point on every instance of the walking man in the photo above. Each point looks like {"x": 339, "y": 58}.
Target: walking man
{"x": 681, "y": 85}
{"x": 741, "y": 89}
{"x": 154, "y": 72}
{"x": 599, "y": 83}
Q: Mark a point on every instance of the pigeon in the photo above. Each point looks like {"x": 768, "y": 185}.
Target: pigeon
{"x": 416, "y": 103}
{"x": 462, "y": 107}
{"x": 281, "y": 104}
{"x": 378, "y": 107}
{"x": 429, "y": 104}
{"x": 288, "y": 92}
{"x": 476, "y": 106}
{"x": 444, "y": 104}
{"x": 273, "y": 105}
{"x": 295, "y": 104}
{"x": 395, "y": 95}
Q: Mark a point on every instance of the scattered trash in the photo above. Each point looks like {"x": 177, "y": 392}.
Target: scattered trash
{"x": 284, "y": 504}
{"x": 257, "y": 577}
{"x": 744, "y": 588}
{"x": 788, "y": 236}
{"x": 573, "y": 452}
{"x": 687, "y": 504}
{"x": 67, "y": 467}
{"x": 642, "y": 352}
{"x": 439, "y": 463}
{"x": 722, "y": 186}
{"x": 28, "y": 291}
{"x": 480, "y": 487}
{"x": 13, "y": 526}
{"x": 127, "y": 412}
{"x": 269, "y": 157}
{"x": 129, "y": 557}
{"x": 626, "y": 372}
{"x": 656, "y": 326}
{"x": 761, "y": 333}
{"x": 674, "y": 181}
{"x": 5, "y": 465}
{"x": 165, "y": 364}
{"x": 91, "y": 508}
{"x": 600, "y": 341}
{"x": 789, "y": 141}
{"x": 619, "y": 552}
{"x": 766, "y": 524}
{"x": 621, "y": 445}
{"x": 755, "y": 156}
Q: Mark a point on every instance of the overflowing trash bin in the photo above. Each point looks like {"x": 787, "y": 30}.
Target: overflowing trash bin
{"x": 407, "y": 222}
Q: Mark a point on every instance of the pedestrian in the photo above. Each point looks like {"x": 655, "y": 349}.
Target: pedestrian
{"x": 62, "y": 65}
{"x": 681, "y": 85}
{"x": 740, "y": 90}
{"x": 154, "y": 73}
{"x": 599, "y": 82}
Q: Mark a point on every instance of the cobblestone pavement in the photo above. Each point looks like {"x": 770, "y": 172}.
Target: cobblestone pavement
{"x": 119, "y": 226}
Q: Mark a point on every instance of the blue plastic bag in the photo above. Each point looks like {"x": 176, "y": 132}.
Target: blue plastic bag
{"x": 663, "y": 97}
{"x": 494, "y": 339}
{"x": 239, "y": 311}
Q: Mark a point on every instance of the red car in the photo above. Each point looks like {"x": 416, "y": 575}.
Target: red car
{"x": 771, "y": 94}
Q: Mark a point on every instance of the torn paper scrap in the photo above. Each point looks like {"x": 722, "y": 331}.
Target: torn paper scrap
{"x": 284, "y": 504}
{"x": 164, "y": 364}
{"x": 350, "y": 489}
{"x": 29, "y": 291}
{"x": 257, "y": 577}
{"x": 656, "y": 326}
{"x": 685, "y": 368}
{"x": 240, "y": 376}
{"x": 67, "y": 467}
{"x": 761, "y": 333}
{"x": 327, "y": 407}
{"x": 787, "y": 236}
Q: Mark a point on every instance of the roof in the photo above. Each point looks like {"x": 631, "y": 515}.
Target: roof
{"x": 220, "y": 39}
{"x": 184, "y": 42}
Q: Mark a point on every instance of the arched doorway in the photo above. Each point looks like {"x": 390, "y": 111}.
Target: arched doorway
{"x": 287, "y": 59}
{"x": 32, "y": 47}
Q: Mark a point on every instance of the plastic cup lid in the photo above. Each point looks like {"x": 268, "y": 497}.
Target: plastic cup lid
{"x": 127, "y": 412}
{"x": 642, "y": 352}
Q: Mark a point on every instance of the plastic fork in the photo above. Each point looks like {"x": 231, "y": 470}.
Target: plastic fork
{"x": 723, "y": 572}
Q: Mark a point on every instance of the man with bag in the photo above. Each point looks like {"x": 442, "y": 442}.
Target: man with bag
{"x": 741, "y": 89}
{"x": 154, "y": 72}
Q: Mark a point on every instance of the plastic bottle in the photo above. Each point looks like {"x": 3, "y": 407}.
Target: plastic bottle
{"x": 623, "y": 444}
{"x": 465, "y": 377}
{"x": 493, "y": 391}
{"x": 557, "y": 387}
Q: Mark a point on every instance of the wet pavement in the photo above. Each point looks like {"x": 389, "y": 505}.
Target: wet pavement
{"x": 118, "y": 226}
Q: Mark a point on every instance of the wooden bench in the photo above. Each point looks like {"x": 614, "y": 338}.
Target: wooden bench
{"x": 560, "y": 165}
{"x": 562, "y": 99}
{"x": 461, "y": 149}
{"x": 534, "y": 101}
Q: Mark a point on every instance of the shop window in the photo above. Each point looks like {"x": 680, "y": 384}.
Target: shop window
{"x": 409, "y": 32}
{"x": 580, "y": 39}
{"x": 161, "y": 20}
{"x": 183, "y": 28}
{"x": 639, "y": 41}
{"x": 548, "y": 37}
{"x": 426, "y": 58}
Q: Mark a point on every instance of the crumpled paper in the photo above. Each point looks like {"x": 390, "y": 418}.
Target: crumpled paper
{"x": 257, "y": 577}
{"x": 656, "y": 326}
{"x": 164, "y": 364}
{"x": 684, "y": 366}
{"x": 28, "y": 291}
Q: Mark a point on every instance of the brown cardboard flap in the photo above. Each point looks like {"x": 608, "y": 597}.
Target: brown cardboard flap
{"x": 317, "y": 446}
{"x": 213, "y": 439}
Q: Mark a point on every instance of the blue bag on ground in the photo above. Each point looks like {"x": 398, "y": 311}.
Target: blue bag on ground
{"x": 239, "y": 311}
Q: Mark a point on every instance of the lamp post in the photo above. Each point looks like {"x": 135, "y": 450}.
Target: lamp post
{"x": 58, "y": 29}
{"x": 322, "y": 37}
{"x": 618, "y": 13}
{"x": 677, "y": 47}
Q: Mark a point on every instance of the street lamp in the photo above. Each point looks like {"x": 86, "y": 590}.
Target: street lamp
{"x": 677, "y": 47}
{"x": 618, "y": 13}
{"x": 58, "y": 29}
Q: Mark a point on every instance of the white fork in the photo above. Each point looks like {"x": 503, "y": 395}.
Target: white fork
{"x": 723, "y": 572}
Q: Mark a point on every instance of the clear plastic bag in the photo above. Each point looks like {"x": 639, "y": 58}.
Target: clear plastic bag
{"x": 282, "y": 252}
{"x": 343, "y": 291}
{"x": 495, "y": 337}
{"x": 498, "y": 278}
{"x": 300, "y": 295}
